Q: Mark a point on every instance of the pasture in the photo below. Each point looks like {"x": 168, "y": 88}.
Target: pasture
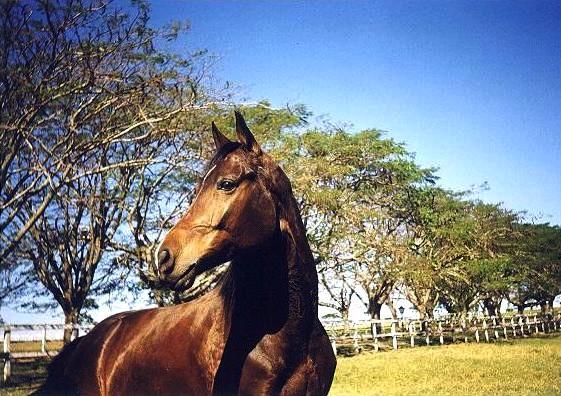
{"x": 519, "y": 367}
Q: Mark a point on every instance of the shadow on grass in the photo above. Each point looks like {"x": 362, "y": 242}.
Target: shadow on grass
{"x": 27, "y": 375}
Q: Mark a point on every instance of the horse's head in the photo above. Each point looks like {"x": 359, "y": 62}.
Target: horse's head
{"x": 234, "y": 210}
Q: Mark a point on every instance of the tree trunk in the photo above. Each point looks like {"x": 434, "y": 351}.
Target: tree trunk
{"x": 70, "y": 320}
{"x": 490, "y": 306}
{"x": 498, "y": 302}
{"x": 520, "y": 309}
{"x": 429, "y": 310}
{"x": 392, "y": 308}
{"x": 345, "y": 317}
{"x": 374, "y": 308}
{"x": 465, "y": 310}
{"x": 422, "y": 316}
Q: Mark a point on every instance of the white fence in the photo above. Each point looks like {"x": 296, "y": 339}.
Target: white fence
{"x": 15, "y": 335}
{"x": 353, "y": 337}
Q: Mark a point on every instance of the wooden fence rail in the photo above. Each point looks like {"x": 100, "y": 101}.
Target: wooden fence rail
{"x": 355, "y": 336}
{"x": 8, "y": 331}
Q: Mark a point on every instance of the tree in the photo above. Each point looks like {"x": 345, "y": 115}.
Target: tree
{"x": 436, "y": 227}
{"x": 337, "y": 282}
{"x": 487, "y": 241}
{"x": 537, "y": 269}
{"x": 90, "y": 116}
{"x": 67, "y": 244}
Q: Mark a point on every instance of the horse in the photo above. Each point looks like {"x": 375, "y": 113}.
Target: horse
{"x": 256, "y": 333}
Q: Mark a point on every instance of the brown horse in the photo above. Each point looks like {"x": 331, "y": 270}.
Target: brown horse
{"x": 256, "y": 333}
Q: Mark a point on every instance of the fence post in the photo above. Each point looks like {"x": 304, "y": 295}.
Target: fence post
{"x": 440, "y": 333}
{"x": 334, "y": 346}
{"x": 7, "y": 363}
{"x": 495, "y": 328}
{"x": 412, "y": 333}
{"x": 486, "y": 330}
{"x": 513, "y": 325}
{"x": 75, "y": 331}
{"x": 464, "y": 330}
{"x": 521, "y": 323}
{"x": 476, "y": 332}
{"x": 453, "y": 330}
{"x": 355, "y": 340}
{"x": 504, "y": 328}
{"x": 44, "y": 340}
{"x": 374, "y": 335}
{"x": 427, "y": 331}
{"x": 536, "y": 324}
{"x": 394, "y": 334}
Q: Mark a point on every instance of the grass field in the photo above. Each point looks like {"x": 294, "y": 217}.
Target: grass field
{"x": 520, "y": 367}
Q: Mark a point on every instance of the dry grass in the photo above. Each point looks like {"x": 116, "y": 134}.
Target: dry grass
{"x": 34, "y": 346}
{"x": 521, "y": 367}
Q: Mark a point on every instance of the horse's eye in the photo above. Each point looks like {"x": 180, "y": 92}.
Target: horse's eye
{"x": 226, "y": 185}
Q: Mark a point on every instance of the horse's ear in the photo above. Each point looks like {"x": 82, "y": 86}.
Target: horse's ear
{"x": 219, "y": 139}
{"x": 245, "y": 136}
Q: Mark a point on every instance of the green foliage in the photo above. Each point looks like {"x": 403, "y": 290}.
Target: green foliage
{"x": 536, "y": 271}
{"x": 466, "y": 248}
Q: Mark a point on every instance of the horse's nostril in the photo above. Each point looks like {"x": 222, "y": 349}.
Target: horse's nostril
{"x": 165, "y": 261}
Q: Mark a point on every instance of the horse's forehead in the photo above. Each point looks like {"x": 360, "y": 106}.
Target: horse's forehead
{"x": 234, "y": 162}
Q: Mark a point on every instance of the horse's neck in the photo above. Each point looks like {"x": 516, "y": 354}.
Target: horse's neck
{"x": 302, "y": 275}
{"x": 275, "y": 286}
{"x": 271, "y": 290}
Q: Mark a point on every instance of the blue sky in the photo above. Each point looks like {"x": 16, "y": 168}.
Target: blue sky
{"x": 472, "y": 87}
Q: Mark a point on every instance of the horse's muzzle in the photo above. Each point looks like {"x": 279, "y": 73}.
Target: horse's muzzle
{"x": 185, "y": 280}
